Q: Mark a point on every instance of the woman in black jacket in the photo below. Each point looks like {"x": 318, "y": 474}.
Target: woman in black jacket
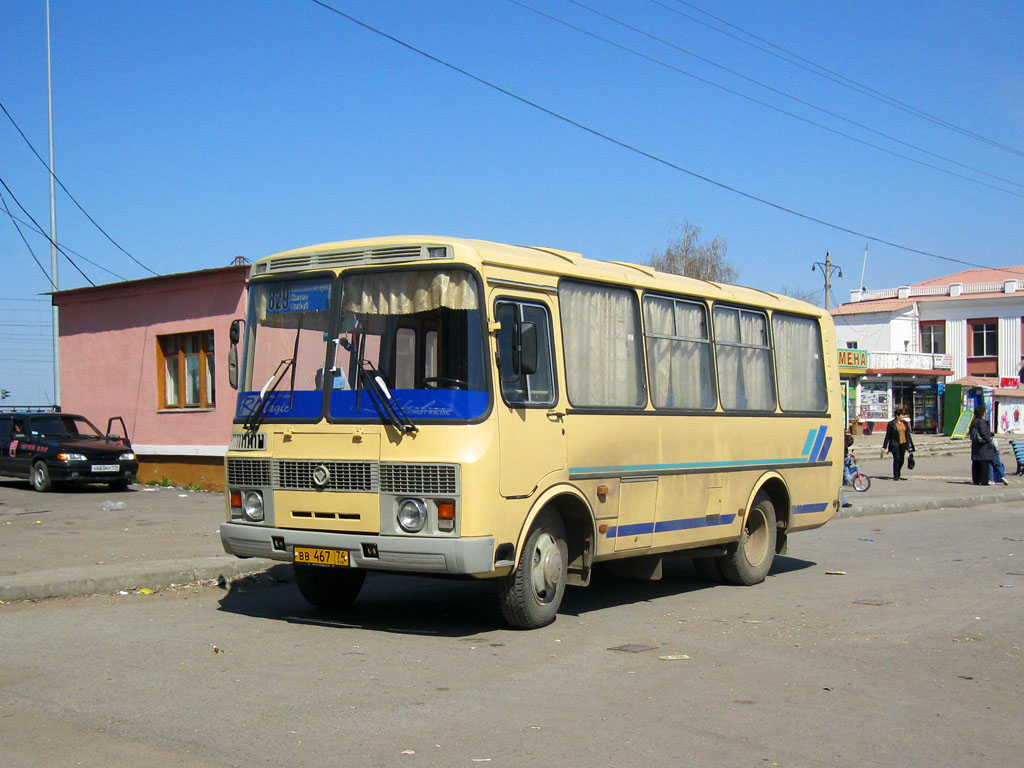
{"x": 898, "y": 441}
{"x": 982, "y": 451}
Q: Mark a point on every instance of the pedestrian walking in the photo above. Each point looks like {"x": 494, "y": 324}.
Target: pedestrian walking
{"x": 982, "y": 452}
{"x": 898, "y": 441}
{"x": 998, "y": 470}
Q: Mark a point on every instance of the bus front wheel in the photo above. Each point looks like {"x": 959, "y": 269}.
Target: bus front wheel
{"x": 749, "y": 559}
{"x": 328, "y": 587}
{"x": 531, "y": 594}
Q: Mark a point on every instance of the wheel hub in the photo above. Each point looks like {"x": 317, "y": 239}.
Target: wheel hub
{"x": 547, "y": 566}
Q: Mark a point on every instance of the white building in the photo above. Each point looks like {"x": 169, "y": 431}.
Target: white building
{"x": 968, "y": 323}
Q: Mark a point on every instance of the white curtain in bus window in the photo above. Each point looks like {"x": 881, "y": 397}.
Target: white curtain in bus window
{"x": 799, "y": 363}
{"x": 601, "y": 336}
{"x": 679, "y": 354}
{"x": 744, "y": 360}
{"x": 406, "y": 293}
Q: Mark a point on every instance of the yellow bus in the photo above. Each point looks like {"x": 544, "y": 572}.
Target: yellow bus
{"x": 435, "y": 405}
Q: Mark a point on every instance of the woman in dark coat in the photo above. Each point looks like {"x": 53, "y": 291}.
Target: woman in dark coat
{"x": 982, "y": 451}
{"x": 898, "y": 441}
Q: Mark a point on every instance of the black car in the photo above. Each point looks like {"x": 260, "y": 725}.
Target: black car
{"x": 50, "y": 448}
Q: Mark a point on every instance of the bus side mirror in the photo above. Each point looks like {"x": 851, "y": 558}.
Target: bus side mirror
{"x": 524, "y": 360}
{"x": 233, "y": 335}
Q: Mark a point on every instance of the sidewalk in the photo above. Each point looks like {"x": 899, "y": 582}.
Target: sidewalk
{"x": 78, "y": 542}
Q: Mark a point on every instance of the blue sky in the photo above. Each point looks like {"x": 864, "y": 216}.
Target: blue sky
{"x": 197, "y": 131}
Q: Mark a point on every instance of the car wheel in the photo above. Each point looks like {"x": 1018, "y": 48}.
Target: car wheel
{"x": 120, "y": 484}
{"x": 41, "y": 477}
{"x": 329, "y": 587}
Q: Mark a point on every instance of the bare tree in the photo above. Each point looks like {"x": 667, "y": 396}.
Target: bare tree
{"x": 687, "y": 255}
{"x": 811, "y": 297}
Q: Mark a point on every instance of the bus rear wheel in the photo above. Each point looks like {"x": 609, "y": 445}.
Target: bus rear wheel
{"x": 749, "y": 559}
{"x": 531, "y": 594}
{"x": 329, "y": 587}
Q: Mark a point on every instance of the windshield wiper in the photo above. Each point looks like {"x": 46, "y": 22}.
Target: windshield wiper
{"x": 371, "y": 379}
{"x": 252, "y": 421}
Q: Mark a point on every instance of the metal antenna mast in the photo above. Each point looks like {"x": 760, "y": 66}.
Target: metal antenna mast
{"x": 53, "y": 221}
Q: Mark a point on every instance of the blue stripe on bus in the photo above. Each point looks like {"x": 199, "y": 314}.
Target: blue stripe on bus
{"x": 804, "y": 509}
{"x": 636, "y": 529}
{"x": 824, "y": 449}
{"x": 810, "y": 441}
{"x": 690, "y": 465}
{"x": 817, "y": 442}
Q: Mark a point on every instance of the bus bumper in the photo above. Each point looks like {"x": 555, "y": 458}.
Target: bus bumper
{"x": 393, "y": 553}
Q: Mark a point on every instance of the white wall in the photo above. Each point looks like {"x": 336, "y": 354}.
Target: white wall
{"x": 870, "y": 331}
{"x": 899, "y": 330}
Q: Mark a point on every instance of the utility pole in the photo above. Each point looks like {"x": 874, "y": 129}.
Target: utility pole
{"x": 53, "y": 221}
{"x": 827, "y": 269}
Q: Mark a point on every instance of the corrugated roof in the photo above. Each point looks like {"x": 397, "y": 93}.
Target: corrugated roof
{"x": 875, "y": 305}
{"x": 981, "y": 275}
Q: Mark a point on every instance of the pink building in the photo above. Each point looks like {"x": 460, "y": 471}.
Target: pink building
{"x": 154, "y": 352}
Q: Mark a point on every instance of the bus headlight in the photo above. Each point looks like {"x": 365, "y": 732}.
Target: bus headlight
{"x": 252, "y": 506}
{"x": 412, "y": 515}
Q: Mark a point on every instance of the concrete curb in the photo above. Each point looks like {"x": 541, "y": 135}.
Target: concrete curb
{"x": 105, "y": 579}
{"x": 917, "y": 505}
{"x": 108, "y": 579}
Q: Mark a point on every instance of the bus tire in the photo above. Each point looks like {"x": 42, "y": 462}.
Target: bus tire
{"x": 531, "y": 594}
{"x": 329, "y": 587}
{"x": 41, "y": 477}
{"x": 708, "y": 569}
{"x": 750, "y": 558}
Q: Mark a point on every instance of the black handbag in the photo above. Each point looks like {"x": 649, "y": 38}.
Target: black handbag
{"x": 910, "y": 461}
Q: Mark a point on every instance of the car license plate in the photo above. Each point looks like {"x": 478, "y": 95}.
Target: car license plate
{"x": 105, "y": 468}
{"x": 315, "y": 556}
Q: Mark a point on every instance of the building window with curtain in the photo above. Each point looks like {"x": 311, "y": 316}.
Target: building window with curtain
{"x": 982, "y": 347}
{"x": 185, "y": 370}
{"x": 933, "y": 337}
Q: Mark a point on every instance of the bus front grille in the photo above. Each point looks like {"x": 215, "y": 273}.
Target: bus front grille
{"x": 352, "y": 476}
{"x": 249, "y": 472}
{"x": 429, "y": 479}
{"x": 345, "y": 476}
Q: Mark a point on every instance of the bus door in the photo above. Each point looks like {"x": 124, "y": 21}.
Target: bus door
{"x": 531, "y": 429}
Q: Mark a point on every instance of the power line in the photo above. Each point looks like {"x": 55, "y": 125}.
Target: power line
{"x": 784, "y": 94}
{"x": 836, "y": 77}
{"x": 49, "y": 277}
{"x": 774, "y": 108}
{"x": 70, "y": 250}
{"x": 40, "y": 229}
{"x": 630, "y": 147}
{"x": 90, "y": 218}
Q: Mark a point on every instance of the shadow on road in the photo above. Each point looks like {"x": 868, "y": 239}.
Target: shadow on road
{"x": 440, "y": 607}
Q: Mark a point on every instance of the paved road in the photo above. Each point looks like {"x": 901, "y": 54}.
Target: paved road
{"x": 912, "y": 658}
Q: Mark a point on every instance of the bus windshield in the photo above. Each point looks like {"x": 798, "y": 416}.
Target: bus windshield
{"x": 422, "y": 331}
{"x": 408, "y": 343}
